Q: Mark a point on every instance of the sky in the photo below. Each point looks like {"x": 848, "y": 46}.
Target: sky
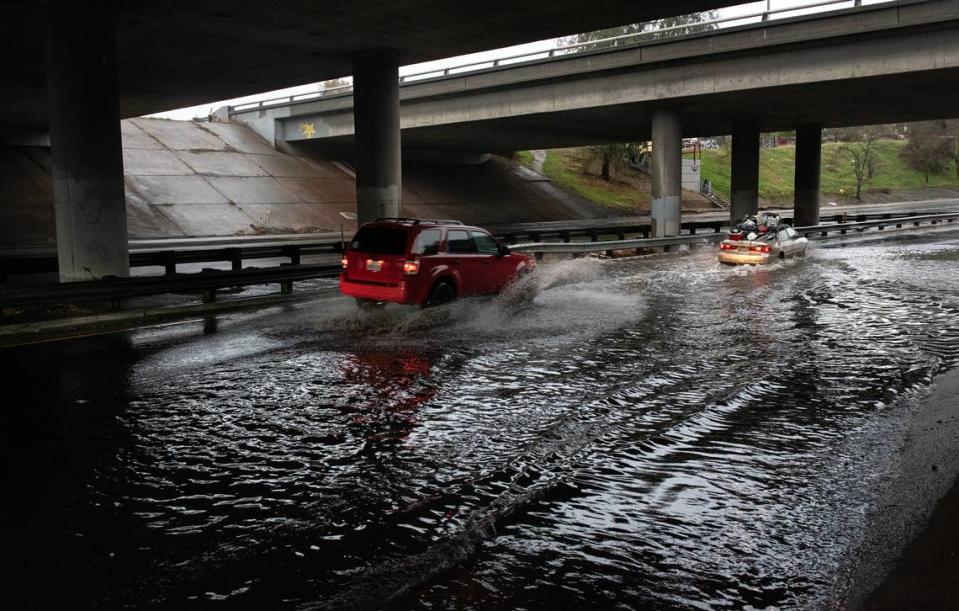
{"x": 526, "y": 51}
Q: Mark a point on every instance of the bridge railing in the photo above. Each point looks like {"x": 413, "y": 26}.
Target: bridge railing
{"x": 632, "y": 39}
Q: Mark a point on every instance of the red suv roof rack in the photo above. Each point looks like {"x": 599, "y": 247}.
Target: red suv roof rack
{"x": 415, "y": 221}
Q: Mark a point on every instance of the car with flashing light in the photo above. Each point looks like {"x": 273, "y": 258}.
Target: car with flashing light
{"x": 753, "y": 242}
{"x": 426, "y": 262}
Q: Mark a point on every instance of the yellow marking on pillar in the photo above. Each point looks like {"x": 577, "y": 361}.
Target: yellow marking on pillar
{"x": 308, "y": 130}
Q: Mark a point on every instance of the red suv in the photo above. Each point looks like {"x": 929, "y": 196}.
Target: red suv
{"x": 426, "y": 262}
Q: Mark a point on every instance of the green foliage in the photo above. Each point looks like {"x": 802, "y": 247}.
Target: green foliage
{"x": 777, "y": 171}
{"x": 564, "y": 167}
{"x": 610, "y": 157}
{"x": 523, "y": 158}
{"x": 929, "y": 148}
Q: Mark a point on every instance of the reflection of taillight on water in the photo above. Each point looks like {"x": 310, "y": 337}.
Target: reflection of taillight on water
{"x": 764, "y": 248}
{"x": 410, "y": 268}
{"x": 725, "y": 246}
{"x": 343, "y": 262}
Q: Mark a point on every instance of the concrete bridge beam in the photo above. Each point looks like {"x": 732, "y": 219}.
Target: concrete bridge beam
{"x": 376, "y": 104}
{"x": 667, "y": 171}
{"x": 87, "y": 157}
{"x": 744, "y": 179}
{"x": 808, "y": 161}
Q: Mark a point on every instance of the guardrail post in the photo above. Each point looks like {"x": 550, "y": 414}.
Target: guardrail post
{"x": 535, "y": 237}
{"x": 286, "y": 287}
{"x": 564, "y": 235}
{"x": 169, "y": 262}
{"x": 293, "y": 252}
{"x": 209, "y": 295}
{"x": 692, "y": 230}
{"x": 235, "y": 257}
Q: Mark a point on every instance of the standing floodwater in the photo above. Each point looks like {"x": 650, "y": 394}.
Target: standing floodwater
{"x": 659, "y": 432}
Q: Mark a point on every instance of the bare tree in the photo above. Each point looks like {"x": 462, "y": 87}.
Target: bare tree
{"x": 952, "y": 133}
{"x": 928, "y": 149}
{"x": 862, "y": 154}
{"x": 610, "y": 157}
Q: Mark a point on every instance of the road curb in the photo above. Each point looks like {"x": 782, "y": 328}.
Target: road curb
{"x": 65, "y": 328}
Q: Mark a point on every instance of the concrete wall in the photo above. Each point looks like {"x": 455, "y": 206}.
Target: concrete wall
{"x": 205, "y": 179}
{"x": 691, "y": 175}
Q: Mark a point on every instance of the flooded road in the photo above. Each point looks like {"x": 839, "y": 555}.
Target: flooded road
{"x": 654, "y": 432}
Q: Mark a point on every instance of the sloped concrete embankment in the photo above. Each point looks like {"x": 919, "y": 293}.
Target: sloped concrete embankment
{"x": 187, "y": 179}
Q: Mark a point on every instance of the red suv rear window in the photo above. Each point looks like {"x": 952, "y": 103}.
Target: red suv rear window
{"x": 380, "y": 240}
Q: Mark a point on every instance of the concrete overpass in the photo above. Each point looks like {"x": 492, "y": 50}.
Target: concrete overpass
{"x": 896, "y": 61}
{"x": 71, "y": 69}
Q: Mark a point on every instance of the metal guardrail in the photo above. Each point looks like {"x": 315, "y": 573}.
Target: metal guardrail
{"x": 815, "y": 232}
{"x": 671, "y": 32}
{"x": 209, "y": 281}
{"x": 610, "y": 245}
{"x": 170, "y": 258}
{"x": 593, "y": 232}
{"x": 112, "y": 290}
{"x": 859, "y": 226}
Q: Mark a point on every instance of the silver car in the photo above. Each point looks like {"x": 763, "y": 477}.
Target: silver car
{"x": 759, "y": 249}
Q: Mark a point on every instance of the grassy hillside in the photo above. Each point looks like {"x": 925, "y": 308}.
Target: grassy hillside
{"x": 624, "y": 194}
{"x": 776, "y": 172}
{"x": 523, "y": 158}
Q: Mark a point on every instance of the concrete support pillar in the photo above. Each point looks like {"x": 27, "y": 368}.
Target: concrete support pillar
{"x": 376, "y": 110}
{"x": 85, "y": 141}
{"x": 667, "y": 171}
{"x": 745, "y": 168}
{"x": 808, "y": 158}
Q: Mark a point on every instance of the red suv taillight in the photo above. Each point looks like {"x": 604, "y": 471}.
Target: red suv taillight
{"x": 411, "y": 268}
{"x": 343, "y": 262}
